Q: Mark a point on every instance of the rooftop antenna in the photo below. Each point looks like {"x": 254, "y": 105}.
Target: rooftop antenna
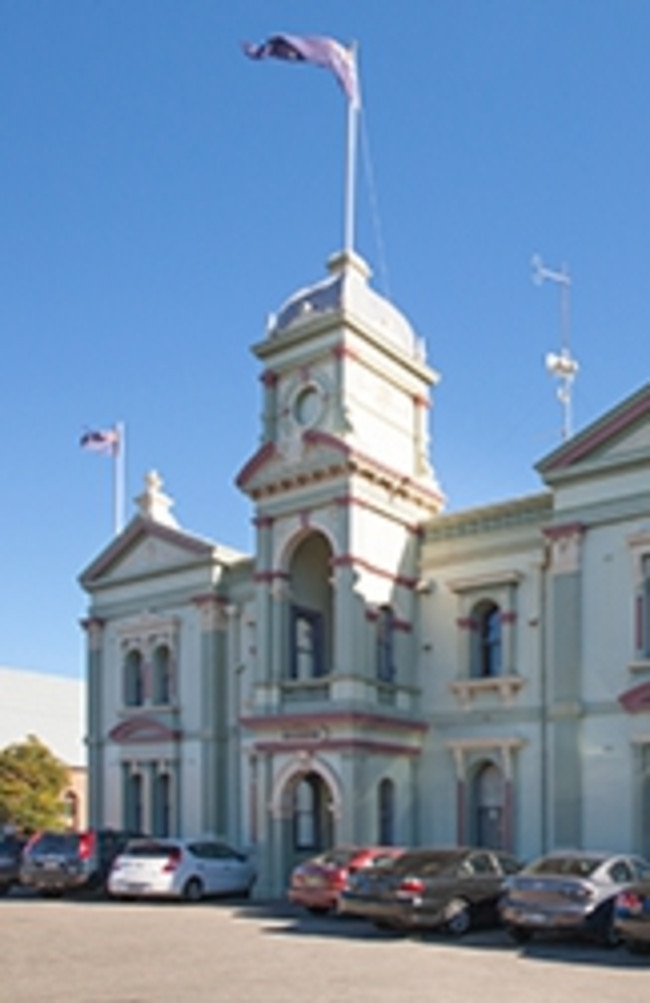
{"x": 562, "y": 366}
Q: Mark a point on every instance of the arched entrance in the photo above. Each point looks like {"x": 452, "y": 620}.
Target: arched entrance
{"x": 488, "y": 806}
{"x": 306, "y": 806}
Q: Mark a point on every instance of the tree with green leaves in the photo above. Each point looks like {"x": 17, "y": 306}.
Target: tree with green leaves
{"x": 32, "y": 781}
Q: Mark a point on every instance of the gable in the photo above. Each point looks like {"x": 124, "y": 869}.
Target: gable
{"x": 621, "y": 438}
{"x": 146, "y": 548}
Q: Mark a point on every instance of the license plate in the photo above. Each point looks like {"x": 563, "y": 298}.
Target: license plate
{"x": 538, "y": 918}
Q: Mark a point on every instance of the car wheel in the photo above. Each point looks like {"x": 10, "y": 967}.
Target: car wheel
{"x": 193, "y": 890}
{"x": 519, "y": 934}
{"x": 458, "y": 919}
{"x": 317, "y": 910}
{"x": 606, "y": 933}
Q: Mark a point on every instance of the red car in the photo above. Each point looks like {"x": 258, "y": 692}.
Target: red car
{"x": 317, "y": 883}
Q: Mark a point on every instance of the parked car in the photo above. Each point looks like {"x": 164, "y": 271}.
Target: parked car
{"x": 317, "y": 883}
{"x": 453, "y": 889}
{"x": 632, "y": 915}
{"x": 57, "y": 862}
{"x": 11, "y": 848}
{"x": 572, "y": 892}
{"x": 189, "y": 869}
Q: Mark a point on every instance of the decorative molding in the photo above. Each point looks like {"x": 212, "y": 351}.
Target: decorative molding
{"x": 94, "y": 628}
{"x": 491, "y": 580}
{"x": 357, "y": 719}
{"x": 142, "y": 730}
{"x": 505, "y": 687}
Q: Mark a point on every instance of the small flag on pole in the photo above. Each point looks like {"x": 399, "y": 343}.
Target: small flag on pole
{"x": 318, "y": 50}
{"x": 105, "y": 441}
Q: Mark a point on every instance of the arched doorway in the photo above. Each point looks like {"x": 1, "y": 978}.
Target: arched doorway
{"x": 488, "y": 804}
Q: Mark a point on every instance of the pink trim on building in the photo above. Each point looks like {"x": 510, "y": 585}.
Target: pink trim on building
{"x": 348, "y": 560}
{"x": 352, "y": 719}
{"x": 566, "y": 529}
{"x": 142, "y": 730}
{"x": 336, "y": 745}
{"x": 262, "y": 456}
{"x": 636, "y": 700}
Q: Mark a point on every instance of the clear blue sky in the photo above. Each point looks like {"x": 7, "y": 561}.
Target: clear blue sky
{"x": 161, "y": 194}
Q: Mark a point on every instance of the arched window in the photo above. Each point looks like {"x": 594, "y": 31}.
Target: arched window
{"x": 386, "y": 812}
{"x": 486, "y": 619}
{"x": 385, "y": 645}
{"x": 310, "y": 622}
{"x": 643, "y": 644}
{"x": 133, "y": 679}
{"x": 162, "y": 675}
{"x": 133, "y": 802}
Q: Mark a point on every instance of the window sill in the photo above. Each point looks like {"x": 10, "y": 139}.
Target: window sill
{"x": 640, "y": 665}
{"x": 505, "y": 687}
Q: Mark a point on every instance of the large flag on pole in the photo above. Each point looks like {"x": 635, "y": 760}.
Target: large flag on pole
{"x": 318, "y": 50}
{"x": 105, "y": 441}
{"x": 110, "y": 442}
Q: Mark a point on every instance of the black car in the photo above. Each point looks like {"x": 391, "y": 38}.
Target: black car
{"x": 11, "y": 848}
{"x": 56, "y": 862}
{"x": 453, "y": 889}
{"x": 632, "y": 916}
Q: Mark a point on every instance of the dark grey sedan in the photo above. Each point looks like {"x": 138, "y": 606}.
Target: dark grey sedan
{"x": 571, "y": 892}
{"x": 453, "y": 889}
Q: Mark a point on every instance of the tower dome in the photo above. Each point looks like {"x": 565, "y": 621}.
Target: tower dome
{"x": 346, "y": 291}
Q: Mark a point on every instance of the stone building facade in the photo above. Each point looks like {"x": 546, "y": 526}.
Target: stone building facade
{"x": 379, "y": 670}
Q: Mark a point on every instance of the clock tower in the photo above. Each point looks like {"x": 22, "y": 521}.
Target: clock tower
{"x": 341, "y": 483}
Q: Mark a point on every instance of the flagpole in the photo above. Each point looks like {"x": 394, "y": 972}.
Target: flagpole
{"x": 350, "y": 164}
{"x": 119, "y": 466}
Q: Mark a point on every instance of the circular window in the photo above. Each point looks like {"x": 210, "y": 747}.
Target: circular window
{"x": 307, "y": 405}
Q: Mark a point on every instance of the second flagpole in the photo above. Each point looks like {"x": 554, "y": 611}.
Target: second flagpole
{"x": 119, "y": 468}
{"x": 350, "y": 165}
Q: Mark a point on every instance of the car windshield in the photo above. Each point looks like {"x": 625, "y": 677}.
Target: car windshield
{"x": 574, "y": 867}
{"x": 429, "y": 863}
{"x": 150, "y": 848}
{"x": 56, "y": 843}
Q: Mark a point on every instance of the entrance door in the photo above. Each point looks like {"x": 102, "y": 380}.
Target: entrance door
{"x": 489, "y": 798}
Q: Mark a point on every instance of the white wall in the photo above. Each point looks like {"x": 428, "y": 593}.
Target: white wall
{"x": 53, "y": 708}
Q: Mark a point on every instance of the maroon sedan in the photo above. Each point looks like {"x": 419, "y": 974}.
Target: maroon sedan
{"x": 317, "y": 883}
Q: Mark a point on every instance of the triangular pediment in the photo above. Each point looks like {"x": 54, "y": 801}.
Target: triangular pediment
{"x": 620, "y": 438}
{"x": 147, "y": 548}
{"x": 293, "y": 462}
{"x": 315, "y": 456}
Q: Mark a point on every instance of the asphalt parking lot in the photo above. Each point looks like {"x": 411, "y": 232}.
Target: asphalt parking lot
{"x": 96, "y": 951}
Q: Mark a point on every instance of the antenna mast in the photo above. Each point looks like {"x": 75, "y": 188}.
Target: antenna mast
{"x": 563, "y": 366}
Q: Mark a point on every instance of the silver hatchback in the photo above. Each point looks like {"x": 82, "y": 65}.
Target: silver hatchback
{"x": 572, "y": 892}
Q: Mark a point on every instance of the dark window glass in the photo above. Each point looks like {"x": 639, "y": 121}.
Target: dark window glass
{"x": 307, "y": 661}
{"x": 386, "y": 645}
